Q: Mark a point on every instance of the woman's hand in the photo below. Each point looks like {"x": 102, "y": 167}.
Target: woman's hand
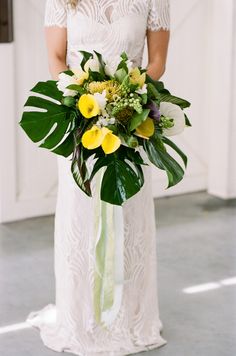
{"x": 157, "y": 42}
{"x": 56, "y": 41}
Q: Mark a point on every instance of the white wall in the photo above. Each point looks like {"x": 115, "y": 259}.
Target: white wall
{"x": 222, "y": 95}
{"x": 201, "y": 67}
{"x": 28, "y": 174}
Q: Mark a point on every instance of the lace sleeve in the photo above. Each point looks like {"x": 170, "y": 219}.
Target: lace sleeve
{"x": 55, "y": 13}
{"x": 159, "y": 15}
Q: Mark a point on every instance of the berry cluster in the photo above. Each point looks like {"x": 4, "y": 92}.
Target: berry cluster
{"x": 131, "y": 102}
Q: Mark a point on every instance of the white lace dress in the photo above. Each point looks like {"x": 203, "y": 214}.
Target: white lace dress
{"x": 109, "y": 27}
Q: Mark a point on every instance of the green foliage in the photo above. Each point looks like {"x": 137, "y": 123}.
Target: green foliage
{"x": 123, "y": 176}
{"x": 49, "y": 121}
{"x": 174, "y": 100}
{"x": 102, "y": 64}
{"x": 137, "y": 119}
{"x": 158, "y": 155}
{"x": 187, "y": 121}
{"x": 86, "y": 57}
{"x": 176, "y": 149}
{"x": 152, "y": 91}
{"x": 79, "y": 168}
{"x": 157, "y": 90}
{"x": 55, "y": 123}
{"x": 120, "y": 75}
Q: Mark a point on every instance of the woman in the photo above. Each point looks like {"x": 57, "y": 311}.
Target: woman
{"x": 133, "y": 325}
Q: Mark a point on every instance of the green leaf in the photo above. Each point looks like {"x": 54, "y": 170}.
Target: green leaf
{"x": 68, "y": 72}
{"x": 187, "y": 121}
{"x": 102, "y": 64}
{"x": 77, "y": 88}
{"x": 175, "y": 100}
{"x": 152, "y": 91}
{"x": 124, "y": 56}
{"x": 156, "y": 83}
{"x": 96, "y": 76}
{"x": 123, "y": 176}
{"x": 66, "y": 147}
{"x": 176, "y": 149}
{"x": 100, "y": 162}
{"x": 137, "y": 119}
{"x": 69, "y": 101}
{"x": 49, "y": 89}
{"x": 79, "y": 169}
{"x": 123, "y": 65}
{"x": 134, "y": 156}
{"x": 48, "y": 121}
{"x": 86, "y": 57}
{"x": 144, "y": 98}
{"x": 119, "y": 182}
{"x": 161, "y": 159}
{"x": 120, "y": 75}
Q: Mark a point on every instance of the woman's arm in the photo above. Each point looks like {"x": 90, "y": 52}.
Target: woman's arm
{"x": 157, "y": 42}
{"x": 56, "y": 41}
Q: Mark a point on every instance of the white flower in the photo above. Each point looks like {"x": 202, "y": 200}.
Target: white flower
{"x": 176, "y": 113}
{"x": 111, "y": 65}
{"x": 130, "y": 65}
{"x": 64, "y": 81}
{"x": 101, "y": 99}
{"x": 105, "y": 120}
{"x": 142, "y": 90}
{"x": 112, "y": 121}
{"x": 92, "y": 64}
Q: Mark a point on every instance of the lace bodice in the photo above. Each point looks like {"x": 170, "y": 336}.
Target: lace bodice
{"x": 108, "y": 26}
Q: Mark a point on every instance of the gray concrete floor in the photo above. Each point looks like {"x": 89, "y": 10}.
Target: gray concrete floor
{"x": 196, "y": 241}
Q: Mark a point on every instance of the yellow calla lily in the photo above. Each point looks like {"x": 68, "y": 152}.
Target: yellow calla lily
{"x": 146, "y": 129}
{"x": 136, "y": 77}
{"x": 88, "y": 106}
{"x": 93, "y": 138}
{"x": 104, "y": 137}
{"x": 110, "y": 143}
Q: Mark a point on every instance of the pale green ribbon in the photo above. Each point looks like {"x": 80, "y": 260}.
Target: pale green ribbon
{"x": 108, "y": 228}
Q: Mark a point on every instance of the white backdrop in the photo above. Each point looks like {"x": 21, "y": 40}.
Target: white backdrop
{"x": 201, "y": 68}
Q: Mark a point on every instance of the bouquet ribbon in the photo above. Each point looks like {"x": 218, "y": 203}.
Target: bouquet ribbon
{"x": 108, "y": 250}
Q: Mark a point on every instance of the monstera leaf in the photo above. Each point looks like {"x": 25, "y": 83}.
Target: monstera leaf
{"x": 120, "y": 182}
{"x": 122, "y": 177}
{"x": 47, "y": 121}
{"x": 158, "y": 155}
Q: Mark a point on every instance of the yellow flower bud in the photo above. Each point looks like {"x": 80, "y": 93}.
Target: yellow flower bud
{"x": 146, "y": 129}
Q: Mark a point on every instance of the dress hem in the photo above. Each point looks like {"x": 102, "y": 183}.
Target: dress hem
{"x": 43, "y": 329}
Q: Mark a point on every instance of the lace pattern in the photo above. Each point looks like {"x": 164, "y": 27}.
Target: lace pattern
{"x": 55, "y": 13}
{"x": 158, "y": 16}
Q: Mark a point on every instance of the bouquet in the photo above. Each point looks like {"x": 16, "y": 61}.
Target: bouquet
{"x": 106, "y": 112}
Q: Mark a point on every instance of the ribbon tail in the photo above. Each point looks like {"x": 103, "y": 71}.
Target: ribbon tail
{"x": 108, "y": 271}
{"x": 100, "y": 253}
{"x": 108, "y": 283}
